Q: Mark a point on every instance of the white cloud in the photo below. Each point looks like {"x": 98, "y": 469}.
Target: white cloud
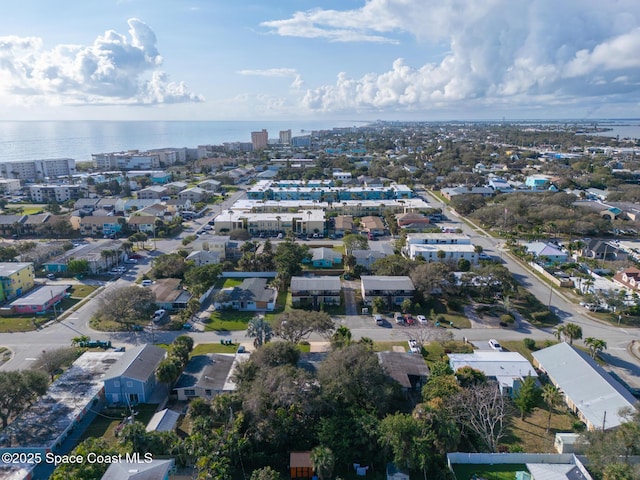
{"x": 270, "y": 72}
{"x": 115, "y": 69}
{"x": 296, "y": 84}
{"x": 498, "y": 52}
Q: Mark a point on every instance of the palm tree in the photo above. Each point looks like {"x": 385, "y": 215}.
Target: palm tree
{"x": 323, "y": 461}
{"x": 552, "y": 396}
{"x": 558, "y": 332}
{"x": 259, "y": 329}
{"x": 595, "y": 346}
{"x": 573, "y": 331}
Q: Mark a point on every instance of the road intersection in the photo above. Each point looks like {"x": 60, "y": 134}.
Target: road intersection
{"x": 27, "y": 346}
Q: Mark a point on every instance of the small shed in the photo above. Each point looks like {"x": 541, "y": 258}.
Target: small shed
{"x": 394, "y": 473}
{"x": 300, "y": 465}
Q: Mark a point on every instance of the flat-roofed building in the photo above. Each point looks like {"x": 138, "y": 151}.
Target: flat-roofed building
{"x": 393, "y": 289}
{"x": 591, "y": 392}
{"x": 313, "y": 291}
{"x": 302, "y": 221}
{"x": 15, "y": 279}
{"x": 38, "y": 169}
{"x": 508, "y": 369}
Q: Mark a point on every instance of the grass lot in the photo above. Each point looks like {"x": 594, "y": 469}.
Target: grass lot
{"x": 530, "y": 433}
{"x": 228, "y": 320}
{"x": 232, "y": 282}
{"x": 490, "y": 472}
{"x": 82, "y": 291}
{"x": 204, "y": 348}
{"x": 105, "y": 423}
{"x": 16, "y": 324}
{"x": 388, "y": 346}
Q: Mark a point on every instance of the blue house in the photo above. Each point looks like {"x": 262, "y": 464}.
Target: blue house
{"x": 133, "y": 378}
{"x": 325, "y": 257}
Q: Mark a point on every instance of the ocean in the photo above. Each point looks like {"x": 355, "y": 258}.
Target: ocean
{"x": 79, "y": 139}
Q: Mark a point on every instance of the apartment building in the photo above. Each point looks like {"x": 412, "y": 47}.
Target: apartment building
{"x": 31, "y": 170}
{"x": 260, "y": 140}
{"x": 59, "y": 193}
{"x": 131, "y": 160}
{"x": 15, "y": 279}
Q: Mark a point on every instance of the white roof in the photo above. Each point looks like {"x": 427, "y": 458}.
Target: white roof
{"x": 504, "y": 366}
{"x": 592, "y": 390}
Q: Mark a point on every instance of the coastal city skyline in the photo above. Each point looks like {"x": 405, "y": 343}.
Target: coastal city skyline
{"x": 363, "y": 60}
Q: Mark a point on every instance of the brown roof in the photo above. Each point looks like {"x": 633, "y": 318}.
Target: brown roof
{"x": 400, "y": 366}
{"x": 167, "y": 289}
{"x": 300, "y": 460}
{"x": 99, "y": 220}
{"x": 141, "y": 220}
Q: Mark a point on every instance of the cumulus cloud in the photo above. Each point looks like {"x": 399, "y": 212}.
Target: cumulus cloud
{"x": 115, "y": 69}
{"x": 497, "y": 52}
{"x": 297, "y": 83}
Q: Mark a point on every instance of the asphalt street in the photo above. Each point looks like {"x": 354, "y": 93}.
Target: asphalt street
{"x": 26, "y": 346}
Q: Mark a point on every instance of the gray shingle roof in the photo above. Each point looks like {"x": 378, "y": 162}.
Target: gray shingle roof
{"x": 138, "y": 363}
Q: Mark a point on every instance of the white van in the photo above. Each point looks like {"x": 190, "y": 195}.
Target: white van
{"x": 147, "y": 283}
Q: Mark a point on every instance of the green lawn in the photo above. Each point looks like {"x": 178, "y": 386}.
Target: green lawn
{"x": 105, "y": 423}
{"x": 232, "y": 282}
{"x": 489, "y": 472}
{"x": 204, "y": 348}
{"x": 82, "y": 291}
{"x": 16, "y": 324}
{"x": 228, "y": 320}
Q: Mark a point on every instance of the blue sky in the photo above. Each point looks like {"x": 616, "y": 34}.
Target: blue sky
{"x": 304, "y": 59}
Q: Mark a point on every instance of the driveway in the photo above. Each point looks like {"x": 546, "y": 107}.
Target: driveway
{"x": 349, "y": 287}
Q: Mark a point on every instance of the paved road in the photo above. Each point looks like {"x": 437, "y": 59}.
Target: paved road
{"x": 28, "y": 345}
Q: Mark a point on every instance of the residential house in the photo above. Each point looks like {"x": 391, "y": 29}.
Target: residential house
{"x": 203, "y": 257}
{"x": 33, "y": 223}
{"x": 210, "y": 185}
{"x": 40, "y": 300}
{"x": 205, "y": 376}
{"x": 126, "y": 206}
{"x": 195, "y": 194}
{"x": 170, "y": 295}
{"x": 212, "y": 243}
{"x": 413, "y": 220}
{"x": 602, "y": 250}
{"x": 93, "y": 226}
{"x": 508, "y": 369}
{"x": 366, "y": 258}
{"x": 153, "y": 192}
{"x": 549, "y": 251}
{"x": 324, "y": 257}
{"x": 373, "y": 225}
{"x": 15, "y": 279}
{"x": 160, "y": 178}
{"x": 343, "y": 224}
{"x": 313, "y": 291}
{"x": 409, "y": 370}
{"x": 252, "y": 295}
{"x": 92, "y": 253}
{"x": 393, "y": 289}
{"x": 628, "y": 278}
{"x": 538, "y": 182}
{"x": 485, "y": 192}
{"x": 155, "y": 469}
{"x": 132, "y": 378}
{"x": 142, "y": 223}
{"x": 179, "y": 204}
{"x": 175, "y": 187}
{"x": 11, "y": 224}
{"x": 86, "y": 205}
{"x": 589, "y": 391}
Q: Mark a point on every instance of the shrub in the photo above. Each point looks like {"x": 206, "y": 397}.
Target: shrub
{"x": 507, "y": 318}
{"x": 541, "y": 317}
{"x": 455, "y": 304}
{"x": 529, "y": 343}
{"x": 578, "y": 426}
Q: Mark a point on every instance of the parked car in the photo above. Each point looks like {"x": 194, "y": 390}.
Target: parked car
{"x": 131, "y": 260}
{"x": 147, "y": 283}
{"x": 51, "y": 276}
{"x": 398, "y": 318}
{"x": 408, "y": 318}
{"x": 494, "y": 345}
{"x": 421, "y": 319}
{"x": 378, "y": 319}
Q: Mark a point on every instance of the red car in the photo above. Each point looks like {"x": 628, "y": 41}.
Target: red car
{"x": 408, "y": 319}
